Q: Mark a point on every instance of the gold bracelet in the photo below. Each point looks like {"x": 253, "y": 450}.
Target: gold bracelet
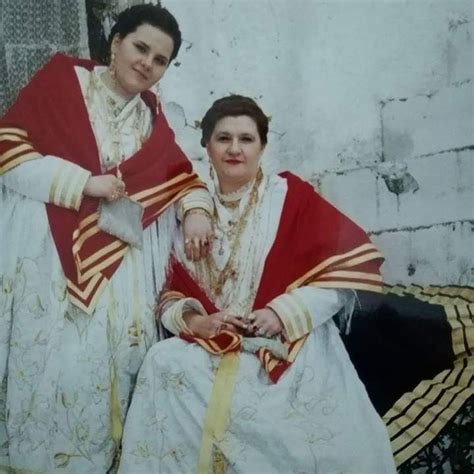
{"x": 197, "y": 210}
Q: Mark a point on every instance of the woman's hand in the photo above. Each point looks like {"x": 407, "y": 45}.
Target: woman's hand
{"x": 264, "y": 323}
{"x": 197, "y": 233}
{"x": 105, "y": 186}
{"x": 212, "y": 325}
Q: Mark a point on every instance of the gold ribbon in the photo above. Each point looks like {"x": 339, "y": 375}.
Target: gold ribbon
{"x": 218, "y": 409}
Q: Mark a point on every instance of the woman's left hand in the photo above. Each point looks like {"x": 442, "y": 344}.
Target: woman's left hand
{"x": 198, "y": 234}
{"x": 264, "y": 323}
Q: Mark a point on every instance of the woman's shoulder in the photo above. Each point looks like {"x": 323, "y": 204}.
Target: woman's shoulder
{"x": 61, "y": 63}
{"x": 295, "y": 183}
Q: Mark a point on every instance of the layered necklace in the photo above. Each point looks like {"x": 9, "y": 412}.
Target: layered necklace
{"x": 119, "y": 116}
{"x": 230, "y": 232}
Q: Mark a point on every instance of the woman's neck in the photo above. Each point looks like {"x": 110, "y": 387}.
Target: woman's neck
{"x": 233, "y": 187}
{"x": 112, "y": 85}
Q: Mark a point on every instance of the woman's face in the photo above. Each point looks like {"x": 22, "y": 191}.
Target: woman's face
{"x": 141, "y": 59}
{"x": 235, "y": 149}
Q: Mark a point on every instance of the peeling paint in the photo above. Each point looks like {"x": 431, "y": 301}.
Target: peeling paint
{"x": 411, "y": 269}
{"x": 455, "y": 23}
{"x": 397, "y": 178}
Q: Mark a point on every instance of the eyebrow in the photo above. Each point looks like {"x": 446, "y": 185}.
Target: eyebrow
{"x": 147, "y": 46}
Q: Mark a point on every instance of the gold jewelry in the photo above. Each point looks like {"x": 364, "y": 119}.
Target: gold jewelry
{"x": 211, "y": 171}
{"x": 112, "y": 72}
{"x": 218, "y": 277}
{"x": 109, "y": 108}
{"x": 198, "y": 210}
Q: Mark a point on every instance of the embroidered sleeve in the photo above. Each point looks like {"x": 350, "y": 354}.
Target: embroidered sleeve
{"x": 49, "y": 179}
{"x": 304, "y": 309}
{"x": 15, "y": 148}
{"x": 196, "y": 199}
{"x": 172, "y": 314}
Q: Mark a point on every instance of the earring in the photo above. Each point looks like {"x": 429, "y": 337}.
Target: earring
{"x": 112, "y": 68}
{"x": 211, "y": 171}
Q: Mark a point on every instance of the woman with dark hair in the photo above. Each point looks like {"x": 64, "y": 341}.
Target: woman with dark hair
{"x": 258, "y": 379}
{"x": 92, "y": 182}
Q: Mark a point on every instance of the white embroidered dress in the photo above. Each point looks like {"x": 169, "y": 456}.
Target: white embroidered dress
{"x": 316, "y": 419}
{"x": 67, "y": 376}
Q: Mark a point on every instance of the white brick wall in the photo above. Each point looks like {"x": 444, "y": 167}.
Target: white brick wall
{"x": 322, "y": 70}
{"x": 424, "y": 125}
{"x": 460, "y": 56}
{"x": 439, "y": 254}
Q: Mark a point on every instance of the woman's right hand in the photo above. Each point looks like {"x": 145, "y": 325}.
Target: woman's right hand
{"x": 212, "y": 325}
{"x": 105, "y": 186}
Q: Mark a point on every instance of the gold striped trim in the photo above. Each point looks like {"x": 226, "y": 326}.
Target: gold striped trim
{"x": 448, "y": 295}
{"x": 148, "y": 192}
{"x": 295, "y": 349}
{"x": 213, "y": 346}
{"x": 419, "y": 416}
{"x": 15, "y": 130}
{"x": 462, "y": 330}
{"x": 83, "y": 237}
{"x": 152, "y": 215}
{"x": 102, "y": 252}
{"x": 168, "y": 297}
{"x": 67, "y": 185}
{"x": 55, "y": 182}
{"x": 90, "y": 306}
{"x": 354, "y": 275}
{"x": 18, "y": 161}
{"x": 281, "y": 307}
{"x": 12, "y": 138}
{"x": 20, "y": 149}
{"x": 329, "y": 261}
{"x": 88, "y": 220}
{"x": 347, "y": 284}
{"x": 162, "y": 196}
{"x": 84, "y": 294}
{"x": 271, "y": 365}
{"x": 358, "y": 260}
{"x": 117, "y": 255}
{"x": 302, "y": 316}
{"x": 78, "y": 189}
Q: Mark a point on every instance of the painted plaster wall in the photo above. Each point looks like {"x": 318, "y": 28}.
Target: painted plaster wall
{"x": 370, "y": 100}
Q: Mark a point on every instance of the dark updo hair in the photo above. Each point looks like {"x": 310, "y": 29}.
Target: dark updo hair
{"x": 233, "y": 106}
{"x": 155, "y": 15}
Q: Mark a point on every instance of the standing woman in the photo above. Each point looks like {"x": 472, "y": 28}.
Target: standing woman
{"x": 79, "y": 272}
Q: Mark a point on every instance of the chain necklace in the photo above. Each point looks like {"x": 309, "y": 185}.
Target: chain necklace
{"x": 113, "y": 112}
{"x": 218, "y": 278}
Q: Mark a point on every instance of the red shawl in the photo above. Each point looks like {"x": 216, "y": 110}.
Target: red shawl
{"x": 50, "y": 117}
{"x": 315, "y": 245}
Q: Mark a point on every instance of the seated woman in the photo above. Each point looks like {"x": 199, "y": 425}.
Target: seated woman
{"x": 259, "y": 380}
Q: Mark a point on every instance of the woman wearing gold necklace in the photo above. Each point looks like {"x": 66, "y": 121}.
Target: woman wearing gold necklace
{"x": 258, "y": 379}
{"x": 92, "y": 181}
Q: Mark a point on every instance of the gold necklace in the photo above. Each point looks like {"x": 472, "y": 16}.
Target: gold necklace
{"x": 114, "y": 128}
{"x": 218, "y": 277}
